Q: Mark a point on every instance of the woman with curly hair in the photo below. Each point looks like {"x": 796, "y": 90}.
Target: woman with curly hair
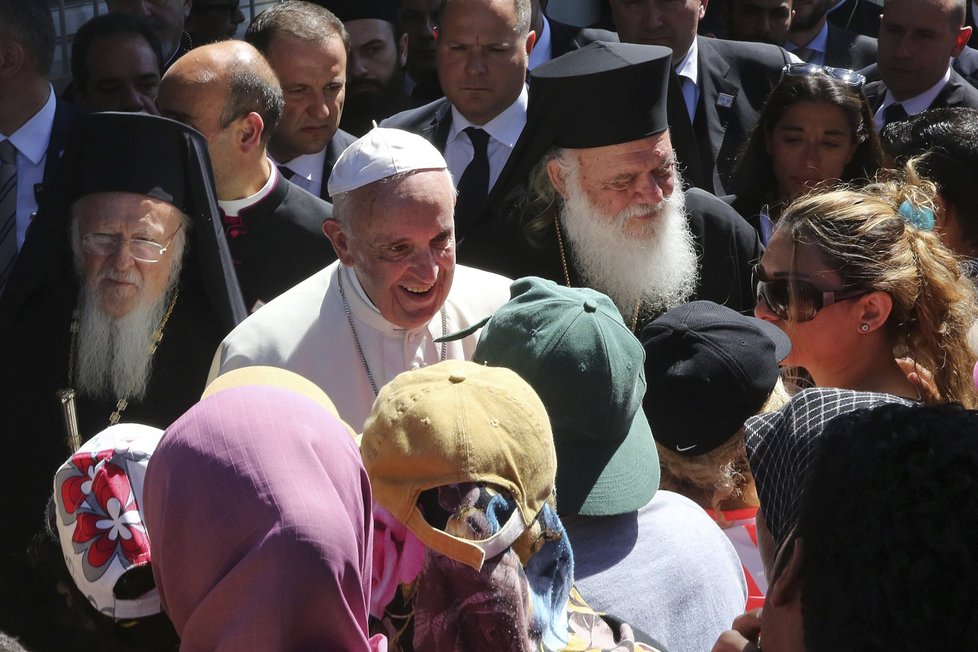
{"x": 816, "y": 128}
{"x": 857, "y": 279}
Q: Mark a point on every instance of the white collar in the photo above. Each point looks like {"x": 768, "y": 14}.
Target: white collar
{"x": 505, "y": 127}
{"x": 233, "y": 207}
{"x": 307, "y": 166}
{"x": 687, "y": 66}
{"x": 33, "y": 137}
{"x": 541, "y": 52}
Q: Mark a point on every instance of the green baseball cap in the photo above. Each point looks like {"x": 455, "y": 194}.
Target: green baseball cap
{"x": 572, "y": 347}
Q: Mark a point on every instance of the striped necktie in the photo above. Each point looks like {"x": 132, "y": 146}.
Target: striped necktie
{"x": 8, "y": 210}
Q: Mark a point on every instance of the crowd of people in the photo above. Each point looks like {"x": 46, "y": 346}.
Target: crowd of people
{"x": 443, "y": 325}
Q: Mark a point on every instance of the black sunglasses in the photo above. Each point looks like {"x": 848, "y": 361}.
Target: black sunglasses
{"x": 844, "y": 75}
{"x": 793, "y": 297}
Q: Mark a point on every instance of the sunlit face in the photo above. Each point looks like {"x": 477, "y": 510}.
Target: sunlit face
{"x": 616, "y": 177}
{"x": 403, "y": 251}
{"x": 200, "y": 105}
{"x": 214, "y": 20}
{"x": 166, "y": 16}
{"x": 375, "y": 62}
{"x": 811, "y": 142}
{"x": 671, "y": 23}
{"x": 821, "y": 341}
{"x": 916, "y": 42}
{"x": 123, "y": 281}
{"x": 313, "y": 79}
{"x": 482, "y": 58}
{"x": 123, "y": 74}
{"x": 766, "y": 21}
{"x": 418, "y": 19}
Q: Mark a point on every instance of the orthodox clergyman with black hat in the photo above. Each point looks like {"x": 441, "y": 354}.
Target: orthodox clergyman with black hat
{"x": 605, "y": 206}
{"x": 132, "y": 288}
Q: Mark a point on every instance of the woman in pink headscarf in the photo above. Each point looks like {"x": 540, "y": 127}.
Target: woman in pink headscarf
{"x": 259, "y": 511}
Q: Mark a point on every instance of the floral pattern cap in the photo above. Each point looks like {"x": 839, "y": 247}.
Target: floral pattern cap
{"x": 97, "y": 495}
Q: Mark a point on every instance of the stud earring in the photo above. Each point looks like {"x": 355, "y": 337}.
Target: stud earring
{"x": 864, "y": 327}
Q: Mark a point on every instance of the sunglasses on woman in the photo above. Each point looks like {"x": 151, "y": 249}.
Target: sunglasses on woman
{"x": 844, "y": 75}
{"x": 792, "y": 297}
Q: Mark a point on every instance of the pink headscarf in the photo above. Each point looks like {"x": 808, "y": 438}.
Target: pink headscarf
{"x": 258, "y": 508}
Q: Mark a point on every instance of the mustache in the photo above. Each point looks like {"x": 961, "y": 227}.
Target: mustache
{"x": 131, "y": 277}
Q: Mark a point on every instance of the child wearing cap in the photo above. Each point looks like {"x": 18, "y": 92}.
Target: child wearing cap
{"x": 709, "y": 368}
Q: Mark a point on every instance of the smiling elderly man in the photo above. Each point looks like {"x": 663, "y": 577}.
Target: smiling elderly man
{"x": 377, "y": 311}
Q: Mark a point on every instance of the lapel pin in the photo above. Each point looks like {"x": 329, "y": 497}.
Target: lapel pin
{"x": 725, "y": 100}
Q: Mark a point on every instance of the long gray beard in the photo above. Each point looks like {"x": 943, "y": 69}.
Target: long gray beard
{"x": 658, "y": 267}
{"x": 114, "y": 358}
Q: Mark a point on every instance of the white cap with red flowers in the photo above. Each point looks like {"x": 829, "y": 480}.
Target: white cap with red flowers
{"x": 98, "y": 494}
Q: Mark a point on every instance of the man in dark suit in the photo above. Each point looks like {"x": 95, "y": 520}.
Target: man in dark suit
{"x": 814, "y": 39}
{"x": 717, "y": 91}
{"x": 307, "y": 46}
{"x": 482, "y": 58}
{"x": 228, "y": 92}
{"x": 917, "y": 40}
{"x": 34, "y": 123}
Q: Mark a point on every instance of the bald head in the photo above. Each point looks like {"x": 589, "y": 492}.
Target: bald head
{"x": 229, "y": 93}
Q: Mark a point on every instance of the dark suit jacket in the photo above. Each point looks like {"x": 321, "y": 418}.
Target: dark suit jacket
{"x": 847, "y": 49}
{"x": 30, "y": 261}
{"x": 966, "y": 63}
{"x": 280, "y": 242}
{"x": 564, "y": 38}
{"x": 340, "y": 141}
{"x": 969, "y": 19}
{"x": 735, "y": 79}
{"x": 431, "y": 121}
{"x": 957, "y": 92}
{"x": 860, "y": 16}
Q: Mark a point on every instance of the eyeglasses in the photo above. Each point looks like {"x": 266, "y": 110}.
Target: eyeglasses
{"x": 795, "y": 298}
{"x": 145, "y": 251}
{"x": 844, "y": 75}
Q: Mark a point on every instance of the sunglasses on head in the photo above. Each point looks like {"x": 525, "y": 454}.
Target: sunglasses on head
{"x": 793, "y": 297}
{"x": 844, "y": 75}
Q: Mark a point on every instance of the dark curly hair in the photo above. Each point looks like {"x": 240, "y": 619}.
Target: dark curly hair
{"x": 889, "y": 524}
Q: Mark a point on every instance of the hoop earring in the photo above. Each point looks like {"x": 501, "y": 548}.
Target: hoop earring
{"x": 864, "y": 327}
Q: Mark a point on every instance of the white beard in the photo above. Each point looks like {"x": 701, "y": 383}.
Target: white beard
{"x": 657, "y": 267}
{"x": 113, "y": 354}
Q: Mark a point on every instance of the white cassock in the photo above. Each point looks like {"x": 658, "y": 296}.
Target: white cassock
{"x": 306, "y": 330}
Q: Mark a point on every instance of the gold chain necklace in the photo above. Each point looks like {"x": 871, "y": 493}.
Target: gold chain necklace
{"x": 123, "y": 402}
{"x": 567, "y": 278}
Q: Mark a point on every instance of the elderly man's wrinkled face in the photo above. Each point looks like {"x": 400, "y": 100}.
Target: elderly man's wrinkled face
{"x": 630, "y": 179}
{"x": 313, "y": 78}
{"x": 122, "y": 282}
{"x": 403, "y": 246}
{"x": 123, "y": 75}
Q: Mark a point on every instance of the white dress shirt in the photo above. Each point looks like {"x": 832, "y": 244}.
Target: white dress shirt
{"x": 308, "y": 170}
{"x": 31, "y": 141}
{"x": 504, "y": 130}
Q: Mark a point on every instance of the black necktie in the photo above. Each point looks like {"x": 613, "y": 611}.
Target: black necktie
{"x": 894, "y": 113}
{"x": 8, "y": 210}
{"x": 473, "y": 187}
